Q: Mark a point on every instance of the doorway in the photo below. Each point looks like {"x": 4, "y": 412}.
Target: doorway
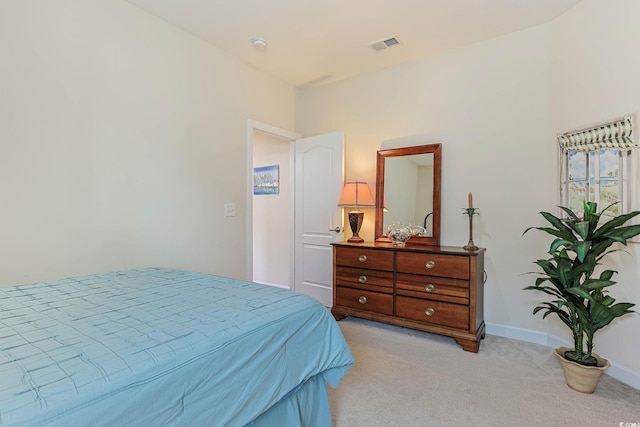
{"x": 270, "y": 220}
{"x": 289, "y": 236}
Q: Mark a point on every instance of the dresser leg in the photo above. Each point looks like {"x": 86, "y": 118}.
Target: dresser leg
{"x": 468, "y": 345}
{"x": 338, "y": 314}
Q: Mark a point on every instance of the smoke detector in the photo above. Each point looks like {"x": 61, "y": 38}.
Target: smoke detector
{"x": 259, "y": 44}
{"x": 385, "y": 44}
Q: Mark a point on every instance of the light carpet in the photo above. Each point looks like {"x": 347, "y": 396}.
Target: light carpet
{"x": 403, "y": 377}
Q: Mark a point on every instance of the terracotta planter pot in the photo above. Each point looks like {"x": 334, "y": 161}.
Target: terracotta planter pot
{"x": 579, "y": 377}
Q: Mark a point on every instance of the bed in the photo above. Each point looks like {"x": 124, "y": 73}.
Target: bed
{"x": 162, "y": 347}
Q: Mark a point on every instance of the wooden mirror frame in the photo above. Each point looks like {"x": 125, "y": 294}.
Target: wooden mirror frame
{"x": 436, "y": 149}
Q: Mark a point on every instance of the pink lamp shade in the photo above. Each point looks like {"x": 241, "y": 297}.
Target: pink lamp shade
{"x": 356, "y": 194}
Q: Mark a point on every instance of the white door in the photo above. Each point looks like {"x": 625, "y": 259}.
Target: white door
{"x": 319, "y": 170}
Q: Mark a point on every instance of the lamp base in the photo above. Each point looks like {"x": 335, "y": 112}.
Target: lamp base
{"x": 355, "y": 222}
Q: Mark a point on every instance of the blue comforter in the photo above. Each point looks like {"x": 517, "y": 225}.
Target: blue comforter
{"x": 158, "y": 347}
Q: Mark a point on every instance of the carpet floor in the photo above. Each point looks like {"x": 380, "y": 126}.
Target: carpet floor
{"x": 403, "y": 377}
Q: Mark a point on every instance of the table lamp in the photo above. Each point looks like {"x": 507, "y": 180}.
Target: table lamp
{"x": 355, "y": 194}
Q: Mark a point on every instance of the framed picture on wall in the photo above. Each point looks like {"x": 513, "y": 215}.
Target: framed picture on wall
{"x": 266, "y": 180}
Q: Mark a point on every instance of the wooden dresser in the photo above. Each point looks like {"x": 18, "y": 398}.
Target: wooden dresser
{"x": 436, "y": 289}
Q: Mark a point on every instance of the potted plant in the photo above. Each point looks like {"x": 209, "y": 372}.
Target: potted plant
{"x": 579, "y": 297}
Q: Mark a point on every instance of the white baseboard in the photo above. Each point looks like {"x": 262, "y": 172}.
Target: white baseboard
{"x": 624, "y": 375}
{"x": 271, "y": 284}
{"x": 617, "y": 371}
{"x": 517, "y": 333}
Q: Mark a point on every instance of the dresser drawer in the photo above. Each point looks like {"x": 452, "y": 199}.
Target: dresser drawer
{"x": 436, "y": 312}
{"x": 372, "y": 280}
{"x": 432, "y": 287}
{"x": 364, "y": 258}
{"x": 442, "y": 265}
{"x": 364, "y": 300}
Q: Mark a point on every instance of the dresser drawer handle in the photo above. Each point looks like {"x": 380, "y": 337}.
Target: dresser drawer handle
{"x": 429, "y": 288}
{"x": 430, "y": 312}
{"x": 430, "y": 264}
{"x": 362, "y": 258}
{"x": 362, "y": 279}
{"x": 362, "y": 300}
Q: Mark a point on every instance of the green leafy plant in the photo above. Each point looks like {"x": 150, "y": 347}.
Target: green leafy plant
{"x": 580, "y": 297}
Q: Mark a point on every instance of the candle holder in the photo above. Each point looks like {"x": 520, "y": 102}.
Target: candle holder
{"x": 470, "y": 246}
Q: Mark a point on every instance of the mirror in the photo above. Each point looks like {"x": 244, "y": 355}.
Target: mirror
{"x": 408, "y": 191}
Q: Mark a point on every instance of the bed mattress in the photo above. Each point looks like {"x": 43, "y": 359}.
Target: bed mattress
{"x": 159, "y": 347}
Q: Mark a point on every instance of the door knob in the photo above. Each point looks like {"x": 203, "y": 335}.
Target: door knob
{"x": 337, "y": 229}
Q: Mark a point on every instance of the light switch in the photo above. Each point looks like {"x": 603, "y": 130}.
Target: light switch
{"x": 229, "y": 209}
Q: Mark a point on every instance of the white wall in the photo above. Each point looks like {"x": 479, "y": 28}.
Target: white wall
{"x": 122, "y": 137}
{"x": 596, "y": 60}
{"x": 488, "y": 104}
{"x": 272, "y": 214}
{"x": 496, "y": 107}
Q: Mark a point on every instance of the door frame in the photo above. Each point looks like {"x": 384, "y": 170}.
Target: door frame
{"x": 252, "y": 126}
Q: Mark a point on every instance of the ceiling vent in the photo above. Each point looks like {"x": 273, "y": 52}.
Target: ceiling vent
{"x": 385, "y": 44}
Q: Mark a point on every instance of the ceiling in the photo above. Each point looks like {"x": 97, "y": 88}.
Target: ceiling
{"x": 312, "y": 42}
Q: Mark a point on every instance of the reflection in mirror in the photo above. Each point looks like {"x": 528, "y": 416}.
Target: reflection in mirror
{"x": 408, "y": 191}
